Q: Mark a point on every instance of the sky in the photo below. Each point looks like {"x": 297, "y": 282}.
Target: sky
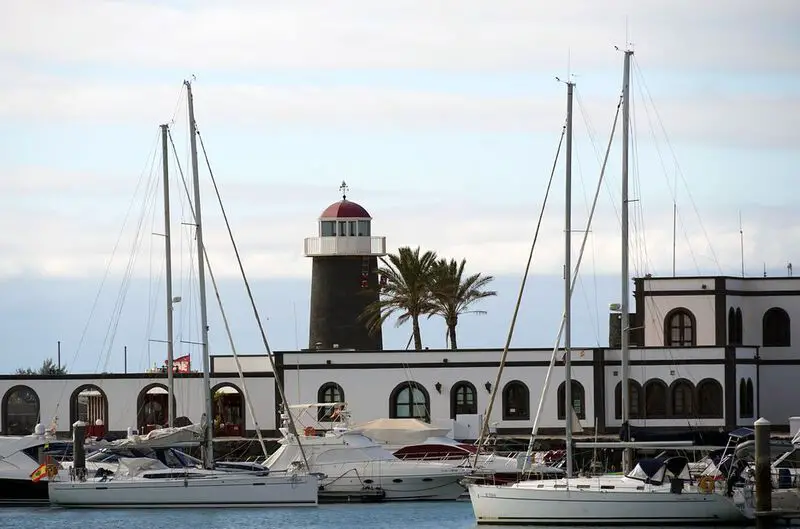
{"x": 443, "y": 118}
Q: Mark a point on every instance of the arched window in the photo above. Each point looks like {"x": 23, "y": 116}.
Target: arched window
{"x": 516, "y": 401}
{"x": 743, "y": 399}
{"x": 739, "y": 327}
{"x": 410, "y": 400}
{"x": 746, "y": 399}
{"x": 655, "y": 399}
{"x": 463, "y": 399}
{"x": 578, "y": 400}
{"x": 680, "y": 328}
{"x": 709, "y": 399}
{"x": 776, "y": 328}
{"x": 20, "y": 409}
{"x": 634, "y": 400}
{"x": 152, "y": 407}
{"x": 735, "y": 326}
{"x": 682, "y": 398}
{"x": 89, "y": 404}
{"x": 333, "y": 393}
{"x": 228, "y": 408}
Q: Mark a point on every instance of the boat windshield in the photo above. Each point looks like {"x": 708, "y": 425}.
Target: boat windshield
{"x": 169, "y": 456}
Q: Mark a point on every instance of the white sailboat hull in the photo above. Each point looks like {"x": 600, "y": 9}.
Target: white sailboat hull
{"x": 216, "y": 491}
{"x": 529, "y": 505}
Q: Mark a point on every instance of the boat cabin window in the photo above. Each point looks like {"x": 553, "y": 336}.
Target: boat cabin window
{"x": 363, "y": 228}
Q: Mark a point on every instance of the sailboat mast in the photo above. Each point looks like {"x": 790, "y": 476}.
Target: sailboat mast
{"x": 168, "y": 261}
{"x": 568, "y": 284}
{"x": 624, "y": 318}
{"x": 208, "y": 453}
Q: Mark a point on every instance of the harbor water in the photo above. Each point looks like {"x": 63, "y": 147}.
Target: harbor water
{"x": 411, "y": 515}
{"x": 417, "y": 515}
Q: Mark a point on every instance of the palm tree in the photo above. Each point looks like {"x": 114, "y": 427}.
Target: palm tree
{"x": 452, "y": 294}
{"x": 406, "y": 292}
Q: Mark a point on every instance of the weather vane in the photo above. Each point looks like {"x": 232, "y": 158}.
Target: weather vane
{"x": 344, "y": 189}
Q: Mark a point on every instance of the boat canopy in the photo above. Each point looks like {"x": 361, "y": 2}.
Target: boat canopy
{"x": 399, "y": 431}
{"x": 657, "y": 470}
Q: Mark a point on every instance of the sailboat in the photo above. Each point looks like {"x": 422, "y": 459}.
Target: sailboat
{"x": 144, "y": 482}
{"x": 656, "y": 490}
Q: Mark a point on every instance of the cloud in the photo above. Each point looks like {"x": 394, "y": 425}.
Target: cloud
{"x": 493, "y": 238}
{"x": 407, "y": 34}
{"x": 743, "y": 119}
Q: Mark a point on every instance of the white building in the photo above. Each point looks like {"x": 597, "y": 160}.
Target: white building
{"x": 706, "y": 346}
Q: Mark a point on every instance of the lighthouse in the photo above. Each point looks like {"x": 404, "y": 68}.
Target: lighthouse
{"x": 344, "y": 277}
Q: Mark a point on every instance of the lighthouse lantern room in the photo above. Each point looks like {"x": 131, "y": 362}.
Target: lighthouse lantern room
{"x": 344, "y": 277}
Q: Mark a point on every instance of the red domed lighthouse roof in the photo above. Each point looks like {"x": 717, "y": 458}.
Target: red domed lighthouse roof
{"x": 345, "y": 209}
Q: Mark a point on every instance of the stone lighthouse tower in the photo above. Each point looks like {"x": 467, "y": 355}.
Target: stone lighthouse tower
{"x": 344, "y": 277}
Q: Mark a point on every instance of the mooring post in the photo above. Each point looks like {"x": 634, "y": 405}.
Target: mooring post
{"x": 78, "y": 451}
{"x": 763, "y": 477}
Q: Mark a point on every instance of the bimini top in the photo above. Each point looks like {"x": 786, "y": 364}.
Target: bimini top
{"x": 345, "y": 209}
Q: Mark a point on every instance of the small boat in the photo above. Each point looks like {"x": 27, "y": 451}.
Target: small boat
{"x": 356, "y": 468}
{"x": 146, "y": 482}
{"x": 20, "y": 457}
{"x": 414, "y": 440}
{"x": 143, "y": 482}
{"x": 654, "y": 491}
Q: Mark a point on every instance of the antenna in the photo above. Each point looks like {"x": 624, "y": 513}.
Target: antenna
{"x": 765, "y": 269}
{"x": 789, "y": 269}
{"x": 344, "y": 189}
{"x": 741, "y": 244}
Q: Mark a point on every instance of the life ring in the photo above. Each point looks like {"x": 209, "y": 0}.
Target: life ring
{"x": 310, "y": 431}
{"x": 706, "y": 484}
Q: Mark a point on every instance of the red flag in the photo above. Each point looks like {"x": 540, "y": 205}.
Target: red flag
{"x": 182, "y": 364}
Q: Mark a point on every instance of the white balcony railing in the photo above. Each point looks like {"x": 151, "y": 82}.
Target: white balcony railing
{"x": 319, "y": 246}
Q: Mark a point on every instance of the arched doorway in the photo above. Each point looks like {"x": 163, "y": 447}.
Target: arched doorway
{"x": 89, "y": 404}
{"x": 227, "y": 404}
{"x": 20, "y": 409}
{"x": 152, "y": 407}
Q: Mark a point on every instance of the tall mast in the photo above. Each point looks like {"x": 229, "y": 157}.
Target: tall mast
{"x": 168, "y": 260}
{"x": 624, "y": 318}
{"x": 208, "y": 453}
{"x": 568, "y": 285}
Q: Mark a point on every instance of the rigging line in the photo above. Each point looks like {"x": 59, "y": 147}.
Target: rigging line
{"x": 611, "y": 192}
{"x": 111, "y": 332}
{"x": 645, "y": 264}
{"x": 485, "y": 425}
{"x": 675, "y": 158}
{"x": 592, "y": 313}
{"x": 543, "y": 396}
{"x": 591, "y": 133}
{"x": 226, "y": 324}
{"x": 278, "y": 383}
{"x": 103, "y": 280}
